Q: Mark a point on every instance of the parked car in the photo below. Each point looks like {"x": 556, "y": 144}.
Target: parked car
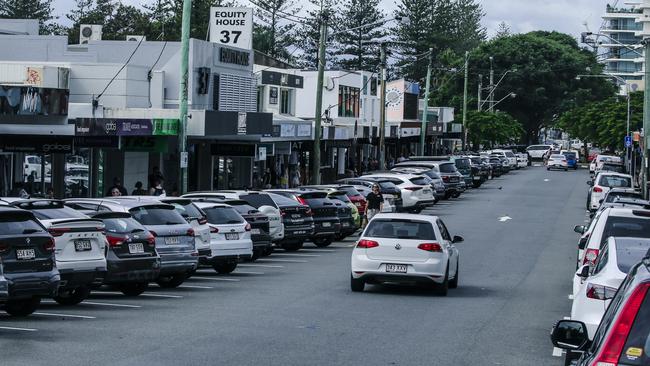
{"x": 522, "y": 160}
{"x": 571, "y": 159}
{"x": 615, "y": 167}
{"x": 132, "y": 259}
{"x": 195, "y": 217}
{"x": 602, "y": 159}
{"x": 602, "y": 184}
{"x": 406, "y": 248}
{"x": 497, "y": 166}
{"x": 326, "y": 221}
{"x": 298, "y": 222}
{"x": 508, "y": 154}
{"x": 538, "y": 151}
{"x": 599, "y": 283}
{"x": 557, "y": 161}
{"x": 416, "y": 190}
{"x": 623, "y": 335}
{"x": 80, "y": 245}
{"x": 391, "y": 193}
{"x": 437, "y": 184}
{"x": 230, "y": 237}
{"x": 28, "y": 269}
{"x": 334, "y": 192}
{"x": 617, "y": 193}
{"x": 451, "y": 177}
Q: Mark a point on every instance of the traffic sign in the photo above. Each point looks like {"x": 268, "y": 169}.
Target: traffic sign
{"x": 628, "y": 141}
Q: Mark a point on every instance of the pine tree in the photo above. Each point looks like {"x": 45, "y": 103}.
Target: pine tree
{"x": 503, "y": 30}
{"x": 413, "y": 37}
{"x": 28, "y": 9}
{"x": 360, "y": 48}
{"x": 168, "y": 14}
{"x": 309, "y": 33}
{"x": 274, "y": 31}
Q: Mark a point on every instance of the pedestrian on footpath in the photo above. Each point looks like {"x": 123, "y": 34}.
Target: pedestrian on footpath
{"x": 375, "y": 202}
{"x": 139, "y": 191}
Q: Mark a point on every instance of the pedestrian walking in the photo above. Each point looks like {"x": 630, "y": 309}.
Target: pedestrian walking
{"x": 375, "y": 202}
{"x": 117, "y": 183}
{"x": 139, "y": 191}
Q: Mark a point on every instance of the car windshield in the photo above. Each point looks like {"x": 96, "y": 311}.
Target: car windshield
{"x": 569, "y": 155}
{"x": 615, "y": 181}
{"x": 627, "y": 227}
{"x": 630, "y": 252}
{"x": 157, "y": 215}
{"x": 421, "y": 181}
{"x": 559, "y": 157}
{"x": 612, "y": 196}
{"x": 510, "y": 154}
{"x": 122, "y": 225}
{"x": 388, "y": 185}
{"x": 431, "y": 174}
{"x": 186, "y": 209}
{"x": 16, "y": 224}
{"x": 400, "y": 229}
{"x": 350, "y": 191}
{"x": 618, "y": 168}
{"x": 242, "y": 207}
{"x": 341, "y": 196}
{"x": 221, "y": 215}
{"x": 538, "y": 147}
{"x": 57, "y": 213}
{"x": 448, "y": 168}
{"x": 258, "y": 200}
{"x": 282, "y": 200}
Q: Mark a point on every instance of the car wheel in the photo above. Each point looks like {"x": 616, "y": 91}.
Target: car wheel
{"x": 224, "y": 268}
{"x": 357, "y": 285}
{"x": 268, "y": 251}
{"x": 476, "y": 184}
{"x": 443, "y": 288}
{"x": 456, "y": 195}
{"x": 416, "y": 210}
{"x": 256, "y": 255}
{"x": 292, "y": 247}
{"x": 172, "y": 281}
{"x": 22, "y": 307}
{"x": 454, "y": 282}
{"x": 547, "y": 168}
{"x": 566, "y": 169}
{"x": 447, "y": 195}
{"x": 133, "y": 289}
{"x": 323, "y": 242}
{"x": 72, "y": 296}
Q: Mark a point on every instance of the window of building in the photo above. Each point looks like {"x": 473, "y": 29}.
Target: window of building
{"x": 260, "y": 98}
{"x": 373, "y": 86}
{"x": 286, "y": 105}
{"x": 349, "y": 101}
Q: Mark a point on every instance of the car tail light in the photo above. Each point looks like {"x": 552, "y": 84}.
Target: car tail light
{"x": 151, "y": 240}
{"x": 611, "y": 349}
{"x": 4, "y": 248}
{"x": 58, "y": 231}
{"x": 413, "y": 189}
{"x": 430, "y": 247}
{"x": 203, "y": 221}
{"x": 153, "y": 233}
{"x": 49, "y": 246}
{"x": 590, "y": 257}
{"x": 302, "y": 201}
{"x": 213, "y": 230}
{"x": 599, "y": 292}
{"x": 190, "y": 232}
{"x": 445, "y": 178}
{"x": 367, "y": 244}
{"x": 115, "y": 241}
{"x": 248, "y": 227}
{"x": 598, "y": 189}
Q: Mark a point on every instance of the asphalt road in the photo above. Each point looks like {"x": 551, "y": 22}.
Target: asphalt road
{"x": 297, "y": 308}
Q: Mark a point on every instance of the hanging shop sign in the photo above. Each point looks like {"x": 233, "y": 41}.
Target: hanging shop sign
{"x": 36, "y": 144}
{"x": 165, "y": 127}
{"x": 233, "y": 150}
{"x": 232, "y": 27}
{"x": 144, "y": 143}
{"x": 113, "y": 127}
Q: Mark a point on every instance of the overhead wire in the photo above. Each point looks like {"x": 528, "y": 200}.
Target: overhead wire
{"x": 120, "y": 70}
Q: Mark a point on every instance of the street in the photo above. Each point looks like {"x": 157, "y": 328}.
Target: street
{"x": 297, "y": 308}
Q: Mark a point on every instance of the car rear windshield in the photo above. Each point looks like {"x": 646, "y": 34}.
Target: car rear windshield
{"x": 221, "y": 215}
{"x": 57, "y": 213}
{"x": 283, "y": 201}
{"x": 538, "y": 147}
{"x": 510, "y": 154}
{"x": 341, "y": 196}
{"x": 242, "y": 207}
{"x": 614, "y": 181}
{"x": 313, "y": 195}
{"x": 611, "y": 197}
{"x": 400, "y": 229}
{"x": 569, "y": 155}
{"x": 432, "y": 174}
{"x": 463, "y": 163}
{"x": 387, "y": 185}
{"x": 157, "y": 215}
{"x": 447, "y": 168}
{"x": 350, "y": 191}
{"x": 637, "y": 345}
{"x": 627, "y": 227}
{"x": 258, "y": 200}
{"x": 421, "y": 181}
{"x": 186, "y": 209}
{"x": 123, "y": 225}
{"x": 12, "y": 224}
{"x": 614, "y": 168}
{"x": 630, "y": 252}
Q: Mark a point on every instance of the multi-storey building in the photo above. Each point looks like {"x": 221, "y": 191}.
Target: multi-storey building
{"x": 621, "y": 52}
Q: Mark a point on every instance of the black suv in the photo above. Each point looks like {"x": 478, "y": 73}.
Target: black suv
{"x": 27, "y": 267}
{"x": 259, "y": 222}
{"x": 298, "y": 222}
{"x": 623, "y": 336}
{"x": 326, "y": 221}
{"x": 132, "y": 261}
{"x": 451, "y": 177}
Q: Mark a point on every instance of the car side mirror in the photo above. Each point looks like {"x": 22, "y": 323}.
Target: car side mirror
{"x": 590, "y": 183}
{"x": 583, "y": 272}
{"x": 570, "y": 335}
{"x": 580, "y": 229}
{"x": 457, "y": 239}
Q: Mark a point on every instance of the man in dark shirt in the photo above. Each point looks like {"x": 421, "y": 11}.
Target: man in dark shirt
{"x": 375, "y": 202}
{"x": 117, "y": 184}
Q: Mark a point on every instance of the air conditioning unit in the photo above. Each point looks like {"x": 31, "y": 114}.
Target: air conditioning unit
{"x": 132, "y": 38}
{"x": 90, "y": 32}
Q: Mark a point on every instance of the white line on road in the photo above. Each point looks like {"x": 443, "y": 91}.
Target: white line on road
{"x": 570, "y": 296}
{"x": 21, "y": 329}
{"x": 282, "y": 260}
{"x": 505, "y": 218}
{"x": 195, "y": 286}
{"x": 146, "y": 294}
{"x": 557, "y": 352}
{"x": 217, "y": 279}
{"x": 318, "y": 250}
{"x": 247, "y": 272}
{"x": 296, "y": 255}
{"x": 66, "y": 315}
{"x": 259, "y": 265}
{"x": 100, "y": 304}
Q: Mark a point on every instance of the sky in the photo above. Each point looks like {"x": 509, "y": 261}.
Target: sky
{"x": 522, "y": 16}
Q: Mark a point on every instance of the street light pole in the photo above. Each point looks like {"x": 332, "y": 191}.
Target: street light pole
{"x": 646, "y": 117}
{"x": 315, "y": 171}
{"x": 465, "y": 101}
{"x": 480, "y": 92}
{"x": 182, "y": 105}
{"x": 423, "y": 128}
{"x": 491, "y": 109}
{"x": 382, "y": 108}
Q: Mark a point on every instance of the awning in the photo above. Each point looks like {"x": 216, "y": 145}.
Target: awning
{"x": 37, "y": 130}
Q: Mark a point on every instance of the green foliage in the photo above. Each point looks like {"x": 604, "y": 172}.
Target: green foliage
{"x": 360, "y": 48}
{"x": 489, "y": 129}
{"x": 308, "y": 33}
{"x": 274, "y": 33}
{"x": 604, "y": 123}
{"x": 30, "y": 9}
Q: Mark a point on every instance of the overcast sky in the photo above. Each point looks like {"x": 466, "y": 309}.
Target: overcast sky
{"x": 522, "y": 16}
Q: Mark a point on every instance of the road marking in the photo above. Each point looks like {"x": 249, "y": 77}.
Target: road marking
{"x": 21, "y": 329}
{"x": 282, "y": 260}
{"x": 319, "y": 250}
{"x": 247, "y": 272}
{"x": 146, "y": 294}
{"x": 297, "y": 255}
{"x": 505, "y": 218}
{"x": 195, "y": 286}
{"x": 217, "y": 279}
{"x": 570, "y": 296}
{"x": 66, "y": 315}
{"x": 557, "y": 352}
{"x": 259, "y": 265}
{"x": 100, "y": 304}
{"x": 547, "y": 180}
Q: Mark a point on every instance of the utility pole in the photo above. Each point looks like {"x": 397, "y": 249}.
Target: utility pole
{"x": 382, "y": 108}
{"x": 423, "y": 129}
{"x": 480, "y": 92}
{"x": 491, "y": 85}
{"x": 315, "y": 171}
{"x": 465, "y": 101}
{"x": 182, "y": 104}
{"x": 646, "y": 114}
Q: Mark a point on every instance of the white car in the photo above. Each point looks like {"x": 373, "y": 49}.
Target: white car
{"x": 80, "y": 246}
{"x": 522, "y": 160}
{"x": 599, "y": 286}
{"x": 557, "y": 161}
{"x": 230, "y": 236}
{"x": 602, "y": 184}
{"x": 512, "y": 158}
{"x": 33, "y": 165}
{"x": 416, "y": 190}
{"x": 260, "y": 200}
{"x": 602, "y": 159}
{"x": 538, "y": 151}
{"x": 405, "y": 248}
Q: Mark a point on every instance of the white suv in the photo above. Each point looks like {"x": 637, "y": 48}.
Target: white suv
{"x": 602, "y": 184}
{"x": 416, "y": 189}
{"x": 512, "y": 158}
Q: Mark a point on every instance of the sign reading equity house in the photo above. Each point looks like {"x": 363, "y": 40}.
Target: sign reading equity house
{"x": 232, "y": 27}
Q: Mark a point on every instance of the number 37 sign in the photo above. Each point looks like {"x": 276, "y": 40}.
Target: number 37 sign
{"x": 232, "y": 27}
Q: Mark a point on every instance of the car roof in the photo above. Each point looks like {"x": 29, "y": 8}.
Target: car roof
{"x": 626, "y": 212}
{"x": 604, "y": 172}
{"x": 127, "y": 202}
{"x": 208, "y": 204}
{"x": 405, "y": 216}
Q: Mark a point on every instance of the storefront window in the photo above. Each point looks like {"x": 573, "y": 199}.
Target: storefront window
{"x": 33, "y": 172}
{"x": 285, "y": 102}
{"x": 77, "y": 173}
{"x": 349, "y": 101}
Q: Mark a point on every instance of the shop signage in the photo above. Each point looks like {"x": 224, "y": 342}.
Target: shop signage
{"x": 34, "y": 76}
{"x": 241, "y": 123}
{"x": 113, "y": 127}
{"x": 144, "y": 144}
{"x": 273, "y": 95}
{"x": 36, "y": 144}
{"x": 287, "y": 130}
{"x": 261, "y": 153}
{"x": 97, "y": 141}
{"x": 233, "y": 150}
{"x": 304, "y": 130}
{"x": 269, "y": 146}
{"x": 165, "y": 127}
{"x": 232, "y": 27}
{"x": 228, "y": 56}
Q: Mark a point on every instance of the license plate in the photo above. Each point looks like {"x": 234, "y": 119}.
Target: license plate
{"x": 299, "y": 232}
{"x": 426, "y": 191}
{"x": 345, "y": 224}
{"x": 295, "y": 216}
{"x": 327, "y": 224}
{"x": 135, "y": 248}
{"x": 255, "y": 231}
{"x": 477, "y": 178}
{"x": 82, "y": 245}
{"x": 232, "y": 236}
{"x": 297, "y": 221}
{"x": 396, "y": 268}
{"x": 172, "y": 240}
{"x": 25, "y": 254}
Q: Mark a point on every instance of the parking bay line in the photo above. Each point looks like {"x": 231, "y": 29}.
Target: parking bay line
{"x": 258, "y": 265}
{"x": 216, "y": 279}
{"x": 101, "y": 304}
{"x": 195, "y": 286}
{"x": 66, "y": 315}
{"x": 296, "y": 255}
{"x": 282, "y": 260}
{"x": 21, "y": 329}
{"x": 247, "y": 272}
{"x": 144, "y": 294}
